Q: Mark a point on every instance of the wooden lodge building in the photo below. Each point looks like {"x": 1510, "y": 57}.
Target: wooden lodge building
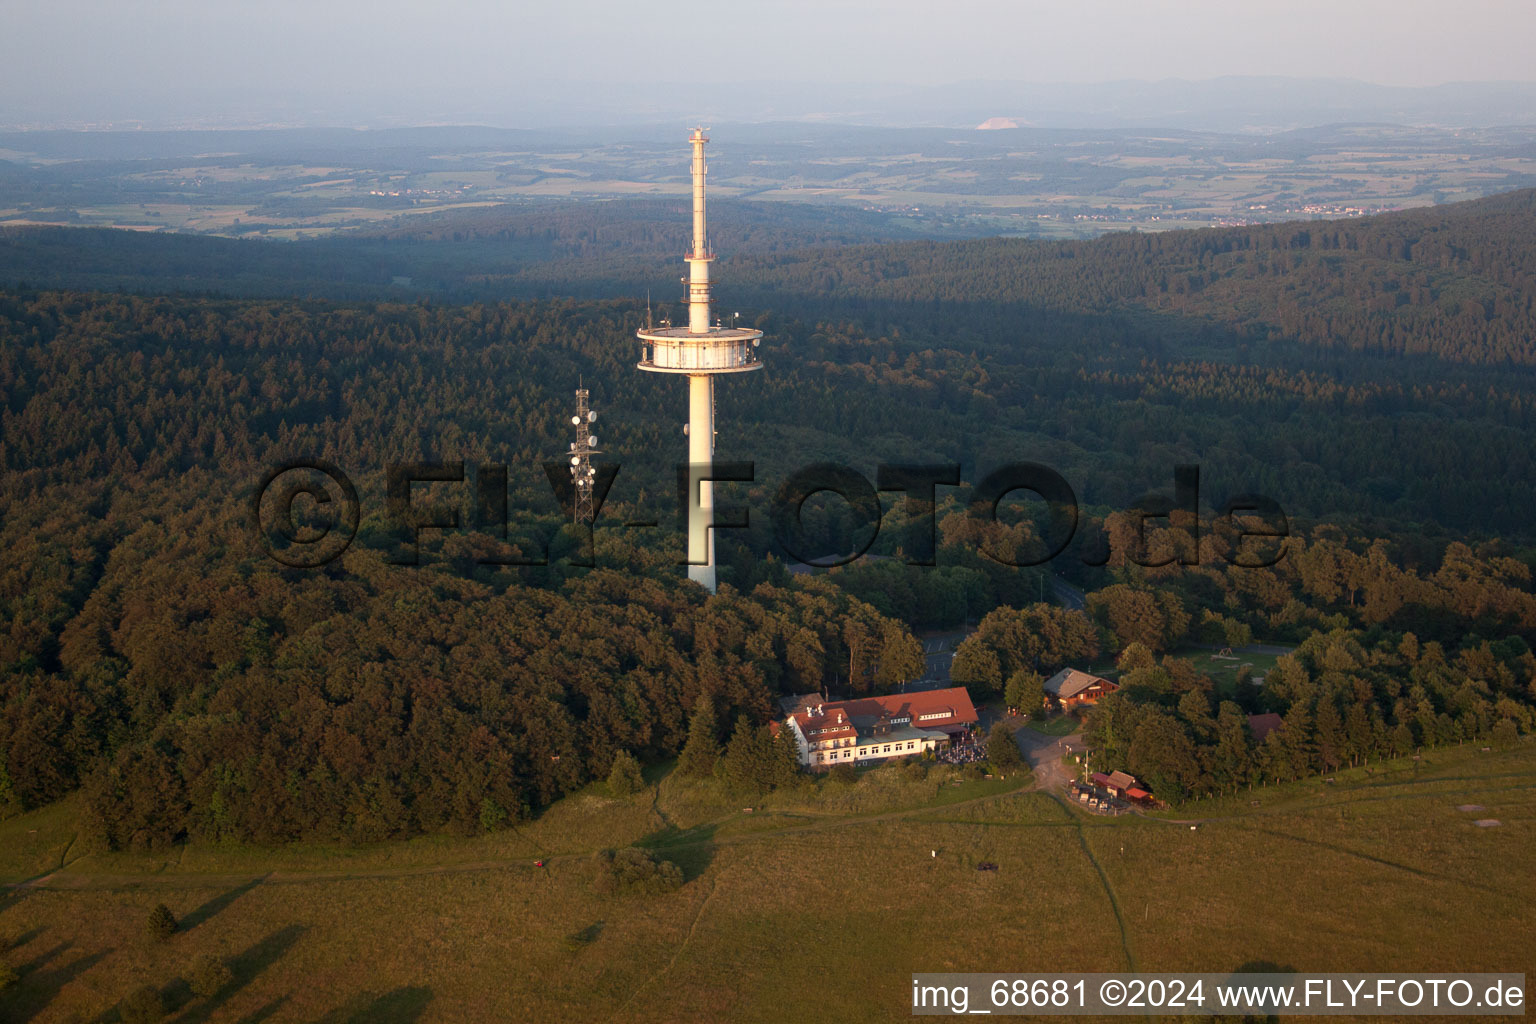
{"x": 1070, "y": 688}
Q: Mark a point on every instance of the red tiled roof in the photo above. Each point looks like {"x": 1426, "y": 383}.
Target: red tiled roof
{"x": 954, "y": 704}
{"x": 949, "y": 708}
{"x": 1263, "y": 725}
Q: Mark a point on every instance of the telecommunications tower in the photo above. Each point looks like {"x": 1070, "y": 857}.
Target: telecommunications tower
{"x": 701, "y": 350}
{"x": 582, "y": 450}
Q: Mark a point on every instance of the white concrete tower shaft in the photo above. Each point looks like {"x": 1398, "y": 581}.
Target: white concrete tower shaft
{"x": 702, "y": 351}
{"x": 701, "y": 452}
{"x": 701, "y": 387}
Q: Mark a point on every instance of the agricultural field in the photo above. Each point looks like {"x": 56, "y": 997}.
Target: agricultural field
{"x": 928, "y": 181}
{"x": 850, "y": 888}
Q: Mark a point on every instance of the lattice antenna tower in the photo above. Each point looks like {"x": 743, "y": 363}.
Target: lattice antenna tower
{"x": 583, "y": 448}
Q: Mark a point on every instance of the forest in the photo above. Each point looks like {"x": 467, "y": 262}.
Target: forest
{"x": 1374, "y": 378}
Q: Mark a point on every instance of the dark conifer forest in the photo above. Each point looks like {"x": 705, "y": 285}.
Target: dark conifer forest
{"x": 1375, "y": 378}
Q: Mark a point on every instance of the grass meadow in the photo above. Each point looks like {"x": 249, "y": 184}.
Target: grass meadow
{"x": 816, "y": 904}
{"x": 1224, "y": 670}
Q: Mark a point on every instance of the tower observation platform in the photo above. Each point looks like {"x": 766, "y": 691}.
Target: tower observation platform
{"x": 701, "y": 351}
{"x": 679, "y": 350}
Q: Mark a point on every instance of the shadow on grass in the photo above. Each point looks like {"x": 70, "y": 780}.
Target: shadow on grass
{"x": 265, "y": 1012}
{"x": 244, "y": 967}
{"x": 27, "y": 936}
{"x": 1264, "y": 967}
{"x": 583, "y": 938}
{"x": 403, "y": 1005}
{"x": 36, "y": 987}
{"x": 692, "y": 849}
{"x": 175, "y": 995}
{"x": 218, "y": 903}
{"x": 654, "y": 773}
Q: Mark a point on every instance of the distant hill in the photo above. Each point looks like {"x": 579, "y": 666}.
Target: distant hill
{"x": 1228, "y": 103}
{"x": 450, "y": 254}
{"x": 1455, "y": 282}
{"x": 647, "y": 226}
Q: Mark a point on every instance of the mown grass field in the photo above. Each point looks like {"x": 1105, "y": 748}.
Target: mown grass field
{"x": 1060, "y": 725}
{"x": 1223, "y": 670}
{"x": 819, "y": 905}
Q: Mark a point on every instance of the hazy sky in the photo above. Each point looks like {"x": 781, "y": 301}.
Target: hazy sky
{"x": 87, "y": 59}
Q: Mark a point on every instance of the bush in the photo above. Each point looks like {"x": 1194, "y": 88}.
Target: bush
{"x": 162, "y": 923}
{"x": 208, "y": 976}
{"x": 1002, "y": 750}
{"x": 142, "y": 1006}
{"x": 843, "y": 773}
{"x": 625, "y": 779}
{"x": 634, "y": 871}
{"x": 492, "y": 815}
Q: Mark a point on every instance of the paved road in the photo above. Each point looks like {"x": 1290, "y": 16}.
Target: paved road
{"x": 938, "y": 652}
{"x": 1044, "y": 754}
{"x": 1067, "y": 594}
{"x": 938, "y": 665}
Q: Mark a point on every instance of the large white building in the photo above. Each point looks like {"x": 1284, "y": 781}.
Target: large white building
{"x": 877, "y": 728}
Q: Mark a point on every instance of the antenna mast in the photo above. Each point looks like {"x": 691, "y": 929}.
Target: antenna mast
{"x": 582, "y": 450}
